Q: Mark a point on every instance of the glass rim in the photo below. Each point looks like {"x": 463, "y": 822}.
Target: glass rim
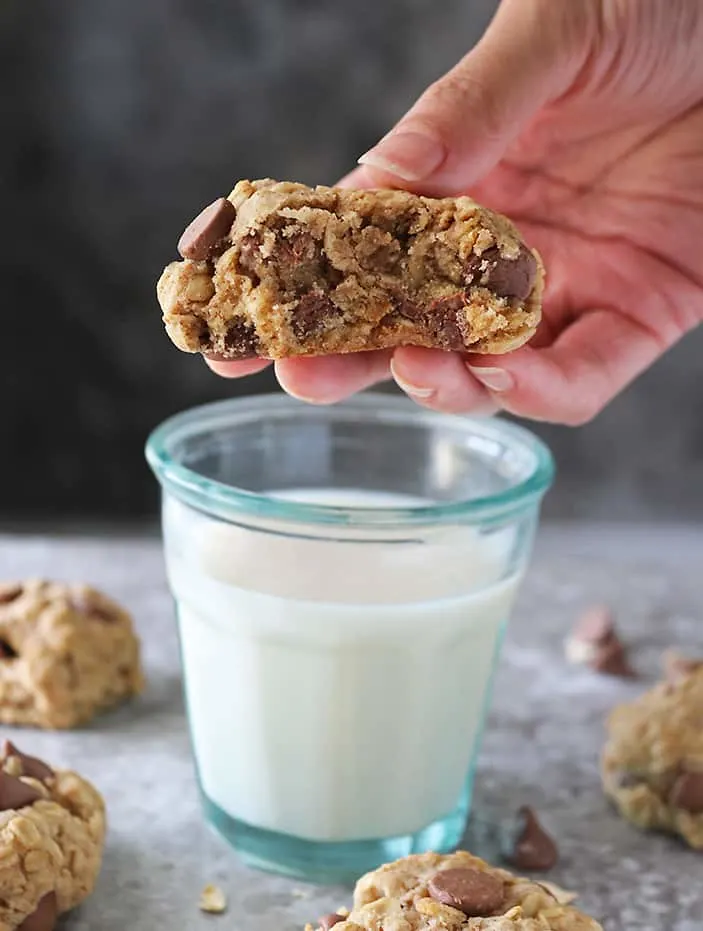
{"x": 215, "y": 497}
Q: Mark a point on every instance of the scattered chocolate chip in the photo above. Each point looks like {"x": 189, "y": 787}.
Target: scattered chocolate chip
{"x": 313, "y": 310}
{"x": 611, "y": 659}
{"x": 9, "y": 593}
{"x": 678, "y": 667}
{"x": 504, "y": 276}
{"x": 14, "y": 793}
{"x": 202, "y": 237}
{"x": 330, "y": 920}
{"x": 473, "y": 892}
{"x": 594, "y": 642}
{"x": 533, "y": 848}
{"x": 687, "y": 793}
{"x": 31, "y": 765}
{"x": 7, "y": 651}
{"x": 43, "y": 918}
{"x": 241, "y": 341}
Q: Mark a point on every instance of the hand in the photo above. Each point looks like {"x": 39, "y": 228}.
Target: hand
{"x": 583, "y": 121}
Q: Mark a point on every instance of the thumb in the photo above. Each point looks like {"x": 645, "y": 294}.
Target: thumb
{"x": 463, "y": 123}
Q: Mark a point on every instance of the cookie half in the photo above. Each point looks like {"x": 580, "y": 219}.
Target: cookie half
{"x": 279, "y": 269}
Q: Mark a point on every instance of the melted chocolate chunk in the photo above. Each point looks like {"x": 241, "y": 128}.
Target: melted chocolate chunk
{"x": 505, "y": 277}
{"x": 311, "y": 313}
{"x": 444, "y": 319}
{"x": 241, "y": 341}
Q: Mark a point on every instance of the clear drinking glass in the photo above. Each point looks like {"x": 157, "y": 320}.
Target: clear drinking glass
{"x": 342, "y": 578}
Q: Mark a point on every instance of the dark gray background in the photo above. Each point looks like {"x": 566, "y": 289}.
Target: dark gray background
{"x": 119, "y": 121}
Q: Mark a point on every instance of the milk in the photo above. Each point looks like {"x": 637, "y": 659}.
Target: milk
{"x": 336, "y": 689}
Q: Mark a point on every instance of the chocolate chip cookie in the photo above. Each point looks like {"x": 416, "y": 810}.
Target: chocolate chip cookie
{"x": 66, "y": 652}
{"x": 457, "y": 892}
{"x": 52, "y": 830}
{"x": 652, "y": 763}
{"x": 279, "y": 269}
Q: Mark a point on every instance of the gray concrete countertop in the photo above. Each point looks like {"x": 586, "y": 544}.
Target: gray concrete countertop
{"x": 541, "y": 746}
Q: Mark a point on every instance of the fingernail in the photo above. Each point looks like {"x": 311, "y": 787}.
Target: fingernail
{"x": 410, "y": 156}
{"x": 493, "y": 379}
{"x": 414, "y": 391}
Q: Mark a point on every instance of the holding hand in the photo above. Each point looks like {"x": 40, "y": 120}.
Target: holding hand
{"x": 583, "y": 121}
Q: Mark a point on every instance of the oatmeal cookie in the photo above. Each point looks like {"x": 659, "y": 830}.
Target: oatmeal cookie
{"x": 456, "y": 892}
{"x": 280, "y": 269}
{"x": 652, "y": 764}
{"x": 52, "y": 830}
{"x": 66, "y": 652}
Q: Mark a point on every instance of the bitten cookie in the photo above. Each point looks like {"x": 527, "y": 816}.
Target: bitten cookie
{"x": 457, "y": 892}
{"x": 66, "y": 652}
{"x": 52, "y": 830}
{"x": 652, "y": 764}
{"x": 280, "y": 269}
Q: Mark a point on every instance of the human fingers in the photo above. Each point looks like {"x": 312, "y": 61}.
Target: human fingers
{"x": 328, "y": 379}
{"x": 440, "y": 380}
{"x": 464, "y": 122}
{"x": 236, "y": 369}
{"x": 572, "y": 380}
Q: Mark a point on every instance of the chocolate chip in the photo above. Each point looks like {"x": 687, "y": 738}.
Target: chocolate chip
{"x": 506, "y": 277}
{"x": 202, "y": 237}
{"x": 31, "y": 765}
{"x": 687, "y": 793}
{"x": 311, "y": 313}
{"x": 14, "y": 793}
{"x": 241, "y": 341}
{"x": 678, "y": 667}
{"x": 330, "y": 920}
{"x": 473, "y": 892}
{"x": 43, "y": 918}
{"x": 9, "y": 593}
{"x": 533, "y": 848}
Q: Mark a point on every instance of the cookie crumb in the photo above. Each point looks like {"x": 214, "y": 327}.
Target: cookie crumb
{"x": 212, "y": 900}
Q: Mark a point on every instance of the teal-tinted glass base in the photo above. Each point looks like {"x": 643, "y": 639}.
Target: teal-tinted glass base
{"x": 329, "y": 862}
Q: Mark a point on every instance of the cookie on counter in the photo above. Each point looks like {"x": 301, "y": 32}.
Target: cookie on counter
{"x": 456, "y": 892}
{"x": 66, "y": 653}
{"x": 52, "y": 830}
{"x": 279, "y": 269}
{"x": 652, "y": 763}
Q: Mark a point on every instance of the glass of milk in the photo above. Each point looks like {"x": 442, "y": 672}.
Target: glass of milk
{"x": 342, "y": 578}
